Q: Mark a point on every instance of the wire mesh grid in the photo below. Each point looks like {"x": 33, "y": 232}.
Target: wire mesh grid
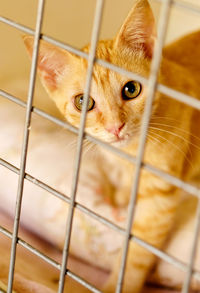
{"x": 153, "y": 86}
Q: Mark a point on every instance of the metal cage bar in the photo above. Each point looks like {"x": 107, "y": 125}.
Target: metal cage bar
{"x": 91, "y": 60}
{"x": 179, "y": 96}
{"x": 153, "y": 85}
{"x": 186, "y": 285}
{"x": 25, "y": 145}
{"x": 143, "y": 135}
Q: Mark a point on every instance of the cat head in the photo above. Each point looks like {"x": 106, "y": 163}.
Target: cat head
{"x": 116, "y": 103}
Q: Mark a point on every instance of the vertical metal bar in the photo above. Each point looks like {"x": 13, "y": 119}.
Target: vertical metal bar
{"x": 25, "y": 144}
{"x": 91, "y": 60}
{"x": 152, "y": 84}
{"x": 186, "y": 285}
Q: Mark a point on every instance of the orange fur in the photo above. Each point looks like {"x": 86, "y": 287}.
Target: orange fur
{"x": 173, "y": 137}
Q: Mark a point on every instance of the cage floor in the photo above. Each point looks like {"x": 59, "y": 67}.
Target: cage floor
{"x": 35, "y": 275}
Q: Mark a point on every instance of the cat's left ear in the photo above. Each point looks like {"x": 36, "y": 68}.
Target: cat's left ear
{"x": 53, "y": 63}
{"x": 138, "y": 32}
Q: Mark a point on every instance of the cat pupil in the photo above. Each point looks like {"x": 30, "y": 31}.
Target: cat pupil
{"x": 78, "y": 102}
{"x": 131, "y": 90}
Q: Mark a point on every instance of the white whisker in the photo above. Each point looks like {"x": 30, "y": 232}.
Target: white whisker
{"x": 177, "y": 128}
{"x": 174, "y": 145}
{"x": 156, "y": 141}
{"x": 176, "y": 135}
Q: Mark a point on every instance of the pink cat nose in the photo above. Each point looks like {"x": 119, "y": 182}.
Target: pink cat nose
{"x": 115, "y": 129}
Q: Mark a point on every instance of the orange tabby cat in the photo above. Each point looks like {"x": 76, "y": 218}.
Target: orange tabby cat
{"x": 114, "y": 115}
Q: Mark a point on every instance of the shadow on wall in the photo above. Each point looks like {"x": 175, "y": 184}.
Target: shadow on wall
{"x": 70, "y": 22}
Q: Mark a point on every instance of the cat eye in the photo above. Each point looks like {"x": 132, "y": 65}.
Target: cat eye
{"x": 78, "y": 102}
{"x": 131, "y": 90}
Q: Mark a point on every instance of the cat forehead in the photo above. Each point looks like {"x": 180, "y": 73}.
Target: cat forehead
{"x": 131, "y": 60}
{"x": 104, "y": 49}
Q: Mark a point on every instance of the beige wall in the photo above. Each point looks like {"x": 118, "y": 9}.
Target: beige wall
{"x": 70, "y": 21}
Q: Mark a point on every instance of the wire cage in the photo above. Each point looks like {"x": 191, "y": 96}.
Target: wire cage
{"x": 153, "y": 86}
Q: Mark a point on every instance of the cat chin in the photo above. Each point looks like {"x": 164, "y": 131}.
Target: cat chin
{"x": 121, "y": 143}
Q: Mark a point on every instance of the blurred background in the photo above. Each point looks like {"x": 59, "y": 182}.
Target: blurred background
{"x": 70, "y": 22}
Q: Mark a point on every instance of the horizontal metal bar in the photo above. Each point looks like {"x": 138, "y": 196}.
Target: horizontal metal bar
{"x": 146, "y": 117}
{"x": 66, "y": 125}
{"x": 61, "y": 196}
{"x": 80, "y": 139}
{"x": 41, "y": 113}
{"x": 73, "y": 50}
{"x": 30, "y": 248}
{"x": 187, "y": 187}
{"x": 83, "y": 282}
{"x": 179, "y": 96}
{"x": 12, "y": 98}
{"x": 17, "y": 25}
{"x": 176, "y": 95}
{"x": 185, "y": 5}
{"x": 164, "y": 256}
{"x": 38, "y": 253}
{"x": 65, "y": 46}
{"x": 46, "y": 38}
{"x": 49, "y": 260}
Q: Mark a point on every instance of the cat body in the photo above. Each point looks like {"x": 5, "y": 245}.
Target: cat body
{"x": 114, "y": 115}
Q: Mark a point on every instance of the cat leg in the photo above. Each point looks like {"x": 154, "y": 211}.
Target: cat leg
{"x": 124, "y": 184}
{"x": 122, "y": 196}
{"x": 153, "y": 221}
{"x": 136, "y": 270}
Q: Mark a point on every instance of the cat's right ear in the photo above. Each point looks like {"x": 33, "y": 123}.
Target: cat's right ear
{"x": 53, "y": 62}
{"x": 138, "y": 33}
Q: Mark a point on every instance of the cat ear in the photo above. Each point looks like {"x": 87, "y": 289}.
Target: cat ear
{"x": 52, "y": 62}
{"x": 138, "y": 31}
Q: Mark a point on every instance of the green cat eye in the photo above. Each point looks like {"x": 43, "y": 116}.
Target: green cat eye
{"x": 131, "y": 90}
{"x": 78, "y": 102}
